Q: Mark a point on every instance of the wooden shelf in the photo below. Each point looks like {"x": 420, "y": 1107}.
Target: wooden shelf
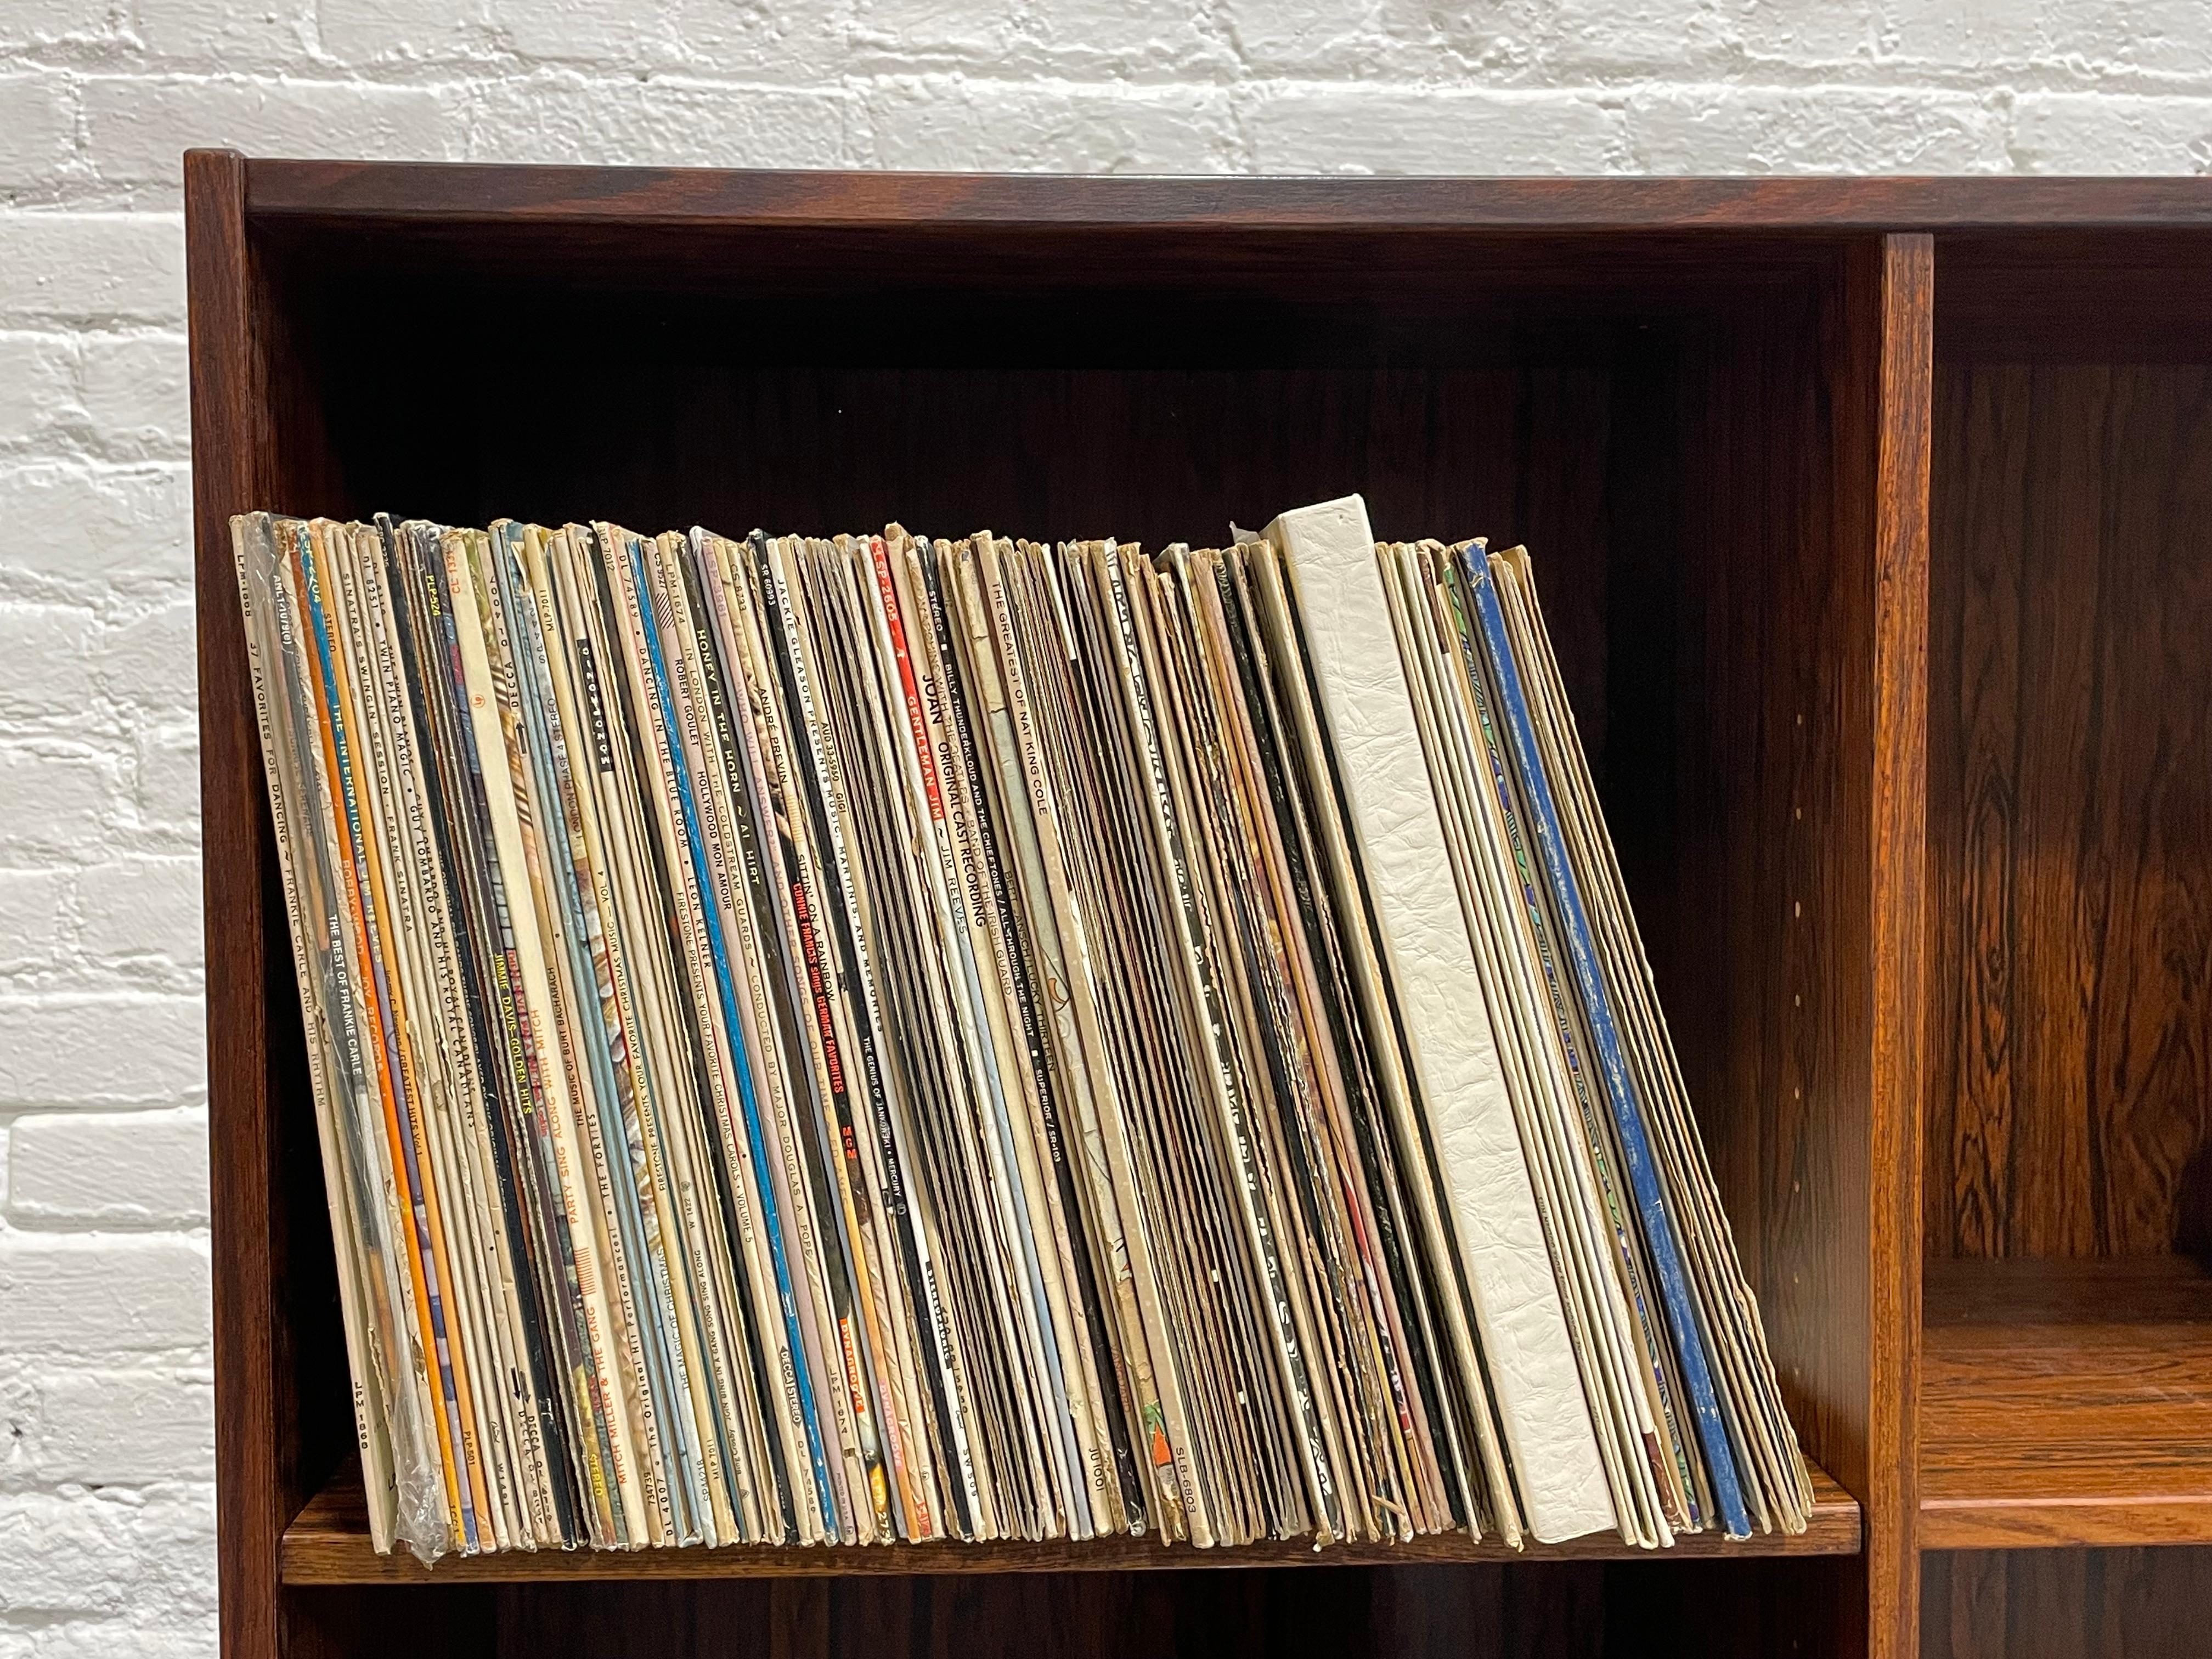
{"x": 1875, "y": 514}
{"x": 2066, "y": 1402}
{"x": 328, "y": 1544}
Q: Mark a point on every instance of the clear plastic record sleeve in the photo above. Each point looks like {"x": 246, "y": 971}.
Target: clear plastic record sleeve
{"x": 863, "y": 1317}
{"x": 1207, "y": 909}
{"x": 506, "y": 1417}
{"x": 521, "y": 823}
{"x": 992, "y": 808}
{"x": 356, "y": 751}
{"x": 394, "y": 1462}
{"x": 1403, "y": 1491}
{"x": 938, "y": 1472}
{"x": 604, "y": 1201}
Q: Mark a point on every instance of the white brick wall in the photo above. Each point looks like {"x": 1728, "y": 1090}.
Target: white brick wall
{"x": 105, "y": 1522}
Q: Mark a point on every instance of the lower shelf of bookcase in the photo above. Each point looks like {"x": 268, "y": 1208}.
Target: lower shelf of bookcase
{"x": 2066, "y": 1403}
{"x": 327, "y": 1543}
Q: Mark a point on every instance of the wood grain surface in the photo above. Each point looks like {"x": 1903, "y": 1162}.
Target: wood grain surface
{"x": 328, "y": 1544}
{"x": 2071, "y": 834}
{"x": 420, "y": 191}
{"x": 2067, "y": 1403}
{"x": 250, "y": 1331}
{"x": 2066, "y": 1604}
{"x": 1703, "y": 403}
{"x": 1897, "y": 930}
{"x": 2055, "y": 294}
{"x": 1520, "y": 1611}
{"x": 1537, "y": 1609}
{"x": 1706, "y": 502}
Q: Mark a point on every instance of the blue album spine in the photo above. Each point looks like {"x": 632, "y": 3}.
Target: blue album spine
{"x": 646, "y": 1268}
{"x": 696, "y": 843}
{"x": 1620, "y": 1089}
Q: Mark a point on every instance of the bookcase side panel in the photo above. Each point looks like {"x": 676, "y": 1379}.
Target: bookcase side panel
{"x": 282, "y": 1402}
{"x": 240, "y": 981}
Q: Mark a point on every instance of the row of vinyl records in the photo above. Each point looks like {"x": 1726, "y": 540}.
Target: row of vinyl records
{"x": 893, "y": 1039}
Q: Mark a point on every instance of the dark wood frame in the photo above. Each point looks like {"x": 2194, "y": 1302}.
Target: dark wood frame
{"x": 1828, "y": 827}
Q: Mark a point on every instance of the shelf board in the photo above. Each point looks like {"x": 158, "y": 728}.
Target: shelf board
{"x": 2066, "y": 1403}
{"x": 328, "y": 1544}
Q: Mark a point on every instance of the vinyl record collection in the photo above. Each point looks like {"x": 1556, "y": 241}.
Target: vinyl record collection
{"x": 889, "y": 1039}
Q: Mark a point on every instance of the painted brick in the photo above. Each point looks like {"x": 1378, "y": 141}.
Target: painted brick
{"x": 109, "y": 1169}
{"x": 1347, "y": 129}
{"x": 2142, "y": 37}
{"x": 1944, "y": 32}
{"x": 99, "y": 24}
{"x": 1314, "y": 40}
{"x": 942, "y": 34}
{"x": 104, "y": 268}
{"x": 38, "y": 389}
{"x": 121, "y": 1552}
{"x": 2052, "y": 131}
{"x": 94, "y": 1637}
{"x": 1083, "y": 40}
{"x": 48, "y": 675}
{"x": 38, "y": 130}
{"x": 167, "y": 778}
{"x": 601, "y": 35}
{"x": 111, "y": 1427}
{"x": 1820, "y": 129}
{"x": 120, "y": 1049}
{"x": 1718, "y": 42}
{"x": 140, "y": 128}
{"x": 84, "y": 529}
{"x": 778, "y": 44}
{"x": 222, "y": 36}
{"x": 938, "y": 122}
{"x": 61, "y": 797}
{"x": 559, "y": 117}
{"x": 35, "y": 928}
{"x": 146, "y": 661}
{"x": 89, "y": 1294}
{"x": 141, "y": 914}
{"x": 133, "y": 392}
{"x": 2081, "y": 44}
{"x": 381, "y": 34}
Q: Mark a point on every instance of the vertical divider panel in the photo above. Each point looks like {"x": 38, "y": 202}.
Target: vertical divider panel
{"x": 229, "y": 460}
{"x": 1907, "y": 413}
{"x": 1854, "y": 951}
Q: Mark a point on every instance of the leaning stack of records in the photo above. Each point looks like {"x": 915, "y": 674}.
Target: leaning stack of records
{"x": 888, "y": 1039}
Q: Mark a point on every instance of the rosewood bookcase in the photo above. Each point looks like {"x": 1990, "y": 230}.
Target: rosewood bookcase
{"x": 1874, "y": 521}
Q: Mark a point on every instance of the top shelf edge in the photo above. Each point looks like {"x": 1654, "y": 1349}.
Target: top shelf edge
{"x": 279, "y": 191}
